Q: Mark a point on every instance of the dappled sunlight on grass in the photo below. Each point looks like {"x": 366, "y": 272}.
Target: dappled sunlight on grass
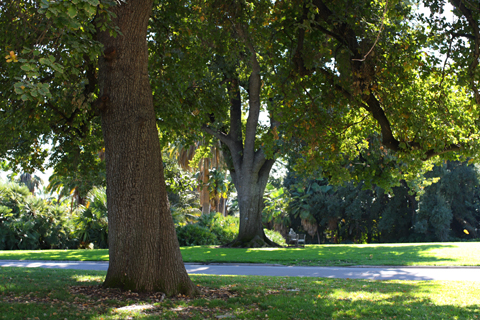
{"x": 89, "y": 278}
{"x": 266, "y": 249}
{"x": 247, "y": 297}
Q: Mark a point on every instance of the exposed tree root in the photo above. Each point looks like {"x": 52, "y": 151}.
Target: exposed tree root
{"x": 256, "y": 242}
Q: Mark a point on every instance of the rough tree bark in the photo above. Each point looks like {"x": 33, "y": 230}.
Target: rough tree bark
{"x": 144, "y": 250}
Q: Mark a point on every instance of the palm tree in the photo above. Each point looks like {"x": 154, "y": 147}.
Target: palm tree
{"x": 185, "y": 155}
{"x": 69, "y": 186}
{"x": 32, "y": 182}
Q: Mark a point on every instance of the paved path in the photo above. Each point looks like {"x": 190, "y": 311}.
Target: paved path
{"x": 373, "y": 273}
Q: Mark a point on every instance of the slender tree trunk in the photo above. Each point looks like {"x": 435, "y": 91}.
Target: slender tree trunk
{"x": 144, "y": 250}
{"x": 205, "y": 193}
{"x": 222, "y": 207}
{"x": 412, "y": 202}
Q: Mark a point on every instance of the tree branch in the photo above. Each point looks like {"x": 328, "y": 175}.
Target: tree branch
{"x": 254, "y": 86}
{"x": 235, "y": 111}
{"x": 219, "y": 135}
{"x": 476, "y": 44}
{"x": 235, "y": 147}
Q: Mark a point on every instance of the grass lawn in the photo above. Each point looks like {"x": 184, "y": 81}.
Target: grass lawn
{"x": 411, "y": 254}
{"x": 72, "y": 294}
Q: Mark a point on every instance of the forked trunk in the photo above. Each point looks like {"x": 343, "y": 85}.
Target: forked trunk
{"x": 250, "y": 166}
{"x": 144, "y": 250}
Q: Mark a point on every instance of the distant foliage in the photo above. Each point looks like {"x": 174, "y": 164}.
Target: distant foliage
{"x": 210, "y": 229}
{"x": 447, "y": 210}
{"x": 450, "y": 208}
{"x": 195, "y": 235}
{"x": 27, "y": 222}
{"x": 224, "y": 228}
{"x": 91, "y": 222}
{"x": 275, "y": 236}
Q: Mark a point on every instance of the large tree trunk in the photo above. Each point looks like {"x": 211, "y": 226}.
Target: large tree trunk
{"x": 144, "y": 250}
{"x": 250, "y": 188}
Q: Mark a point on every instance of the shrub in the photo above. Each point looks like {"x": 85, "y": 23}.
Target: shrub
{"x": 275, "y": 236}
{"x": 195, "y": 235}
{"x": 91, "y": 222}
{"x": 27, "y": 222}
{"x": 224, "y": 228}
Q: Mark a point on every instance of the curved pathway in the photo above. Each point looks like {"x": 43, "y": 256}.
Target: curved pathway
{"x": 367, "y": 272}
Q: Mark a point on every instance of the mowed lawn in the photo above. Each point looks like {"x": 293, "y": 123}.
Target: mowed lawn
{"x": 411, "y": 254}
{"x": 73, "y": 294}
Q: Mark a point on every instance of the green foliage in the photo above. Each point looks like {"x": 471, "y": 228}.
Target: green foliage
{"x": 441, "y": 206}
{"x": 449, "y": 209}
{"x": 337, "y": 213}
{"x": 210, "y": 229}
{"x": 186, "y": 209}
{"x": 397, "y": 215}
{"x": 275, "y": 236}
{"x": 194, "y": 235}
{"x": 91, "y": 220}
{"x": 182, "y": 195}
{"x": 276, "y": 204}
{"x": 27, "y": 222}
{"x": 49, "y": 83}
{"x": 224, "y": 228}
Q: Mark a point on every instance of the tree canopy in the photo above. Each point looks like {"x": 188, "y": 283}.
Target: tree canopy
{"x": 374, "y": 91}
{"x": 363, "y": 91}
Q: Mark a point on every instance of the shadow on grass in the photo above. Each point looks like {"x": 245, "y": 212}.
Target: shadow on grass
{"x": 303, "y": 298}
{"x": 31, "y": 293}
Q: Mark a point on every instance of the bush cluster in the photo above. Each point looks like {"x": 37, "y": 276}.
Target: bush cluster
{"x": 215, "y": 229}
{"x": 28, "y": 222}
{"x": 210, "y": 229}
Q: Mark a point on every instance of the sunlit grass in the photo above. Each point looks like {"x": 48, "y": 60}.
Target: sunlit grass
{"x": 411, "y": 254}
{"x": 57, "y": 255}
{"x": 427, "y": 254}
{"x": 44, "y": 294}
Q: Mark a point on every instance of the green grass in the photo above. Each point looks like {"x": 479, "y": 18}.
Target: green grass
{"x": 58, "y": 255}
{"x": 412, "y": 254}
{"x": 45, "y": 294}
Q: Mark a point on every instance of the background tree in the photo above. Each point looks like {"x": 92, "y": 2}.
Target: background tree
{"x": 228, "y": 34}
{"x": 208, "y": 157}
{"x": 449, "y": 208}
{"x": 338, "y": 80}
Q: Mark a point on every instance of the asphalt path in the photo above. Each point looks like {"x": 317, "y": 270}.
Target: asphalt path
{"x": 359, "y": 272}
